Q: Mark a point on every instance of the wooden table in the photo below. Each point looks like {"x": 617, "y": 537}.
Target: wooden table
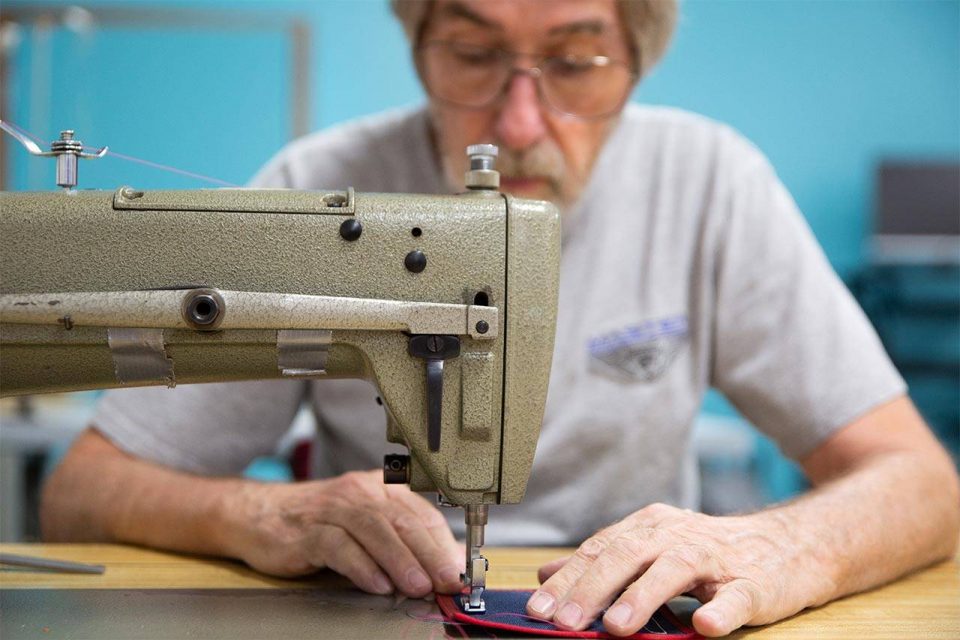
{"x": 923, "y": 605}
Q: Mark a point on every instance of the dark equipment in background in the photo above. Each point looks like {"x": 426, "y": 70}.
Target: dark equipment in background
{"x": 910, "y": 286}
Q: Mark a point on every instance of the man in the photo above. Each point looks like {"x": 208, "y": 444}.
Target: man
{"x": 685, "y": 264}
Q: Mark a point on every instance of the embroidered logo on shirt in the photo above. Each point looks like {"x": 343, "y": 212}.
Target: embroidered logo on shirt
{"x": 641, "y": 351}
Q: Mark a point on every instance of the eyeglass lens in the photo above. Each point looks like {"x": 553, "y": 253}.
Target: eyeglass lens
{"x": 475, "y": 76}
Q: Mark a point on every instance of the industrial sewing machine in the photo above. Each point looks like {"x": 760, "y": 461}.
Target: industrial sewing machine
{"x": 446, "y": 303}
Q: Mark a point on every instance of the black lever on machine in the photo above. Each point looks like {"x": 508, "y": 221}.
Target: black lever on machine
{"x": 434, "y": 350}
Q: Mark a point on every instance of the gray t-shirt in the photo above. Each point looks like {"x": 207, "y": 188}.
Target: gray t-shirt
{"x": 686, "y": 265}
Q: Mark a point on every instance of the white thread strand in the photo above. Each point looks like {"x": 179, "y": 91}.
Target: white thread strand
{"x": 163, "y": 167}
{"x": 27, "y": 133}
{"x": 155, "y": 165}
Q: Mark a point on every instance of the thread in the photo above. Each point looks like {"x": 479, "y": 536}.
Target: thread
{"x": 110, "y": 152}
{"x": 26, "y": 133}
{"x": 163, "y": 167}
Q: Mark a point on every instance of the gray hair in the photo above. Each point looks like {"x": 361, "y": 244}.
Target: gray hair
{"x": 649, "y": 23}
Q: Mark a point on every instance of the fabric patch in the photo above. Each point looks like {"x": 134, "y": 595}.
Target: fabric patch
{"x": 506, "y": 610}
{"x": 639, "y": 352}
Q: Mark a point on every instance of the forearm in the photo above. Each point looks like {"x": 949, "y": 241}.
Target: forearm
{"x": 895, "y": 513}
{"x": 99, "y": 494}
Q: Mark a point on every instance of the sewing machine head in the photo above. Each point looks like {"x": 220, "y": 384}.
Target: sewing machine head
{"x": 446, "y": 303}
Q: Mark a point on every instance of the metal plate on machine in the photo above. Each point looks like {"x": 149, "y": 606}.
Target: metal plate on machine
{"x": 237, "y": 200}
{"x": 213, "y": 613}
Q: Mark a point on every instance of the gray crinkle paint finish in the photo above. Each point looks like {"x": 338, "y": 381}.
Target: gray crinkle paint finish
{"x": 246, "y": 245}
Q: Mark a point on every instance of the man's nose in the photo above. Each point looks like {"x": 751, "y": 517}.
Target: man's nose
{"x": 520, "y": 121}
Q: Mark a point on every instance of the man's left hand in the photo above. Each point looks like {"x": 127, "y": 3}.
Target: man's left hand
{"x": 752, "y": 569}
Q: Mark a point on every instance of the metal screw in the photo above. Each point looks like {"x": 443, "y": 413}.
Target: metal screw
{"x": 350, "y": 229}
{"x": 335, "y": 200}
{"x": 483, "y": 326}
{"x": 130, "y": 193}
{"x": 434, "y": 344}
{"x": 415, "y": 261}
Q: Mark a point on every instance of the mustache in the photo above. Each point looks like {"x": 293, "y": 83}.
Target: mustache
{"x": 544, "y": 160}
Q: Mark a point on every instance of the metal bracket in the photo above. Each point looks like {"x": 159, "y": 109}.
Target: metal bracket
{"x": 303, "y": 352}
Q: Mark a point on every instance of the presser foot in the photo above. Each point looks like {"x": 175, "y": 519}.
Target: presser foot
{"x": 473, "y": 602}
{"x": 475, "y": 578}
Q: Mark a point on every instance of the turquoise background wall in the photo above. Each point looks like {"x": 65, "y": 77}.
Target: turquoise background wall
{"x": 825, "y": 88}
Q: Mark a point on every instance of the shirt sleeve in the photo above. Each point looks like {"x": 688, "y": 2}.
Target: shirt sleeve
{"x": 208, "y": 429}
{"x": 793, "y": 350}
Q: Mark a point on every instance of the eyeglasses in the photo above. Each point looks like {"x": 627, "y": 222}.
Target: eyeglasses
{"x": 473, "y": 76}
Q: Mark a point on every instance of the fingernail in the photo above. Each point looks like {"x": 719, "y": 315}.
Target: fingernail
{"x": 418, "y": 580}
{"x": 450, "y": 576}
{"x": 619, "y": 614}
{"x": 381, "y": 584}
{"x": 542, "y": 603}
{"x": 569, "y": 615}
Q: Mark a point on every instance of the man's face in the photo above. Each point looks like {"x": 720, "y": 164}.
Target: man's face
{"x": 544, "y": 154}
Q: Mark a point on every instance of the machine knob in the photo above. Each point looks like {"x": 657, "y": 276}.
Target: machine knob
{"x": 482, "y": 174}
{"x": 396, "y": 469}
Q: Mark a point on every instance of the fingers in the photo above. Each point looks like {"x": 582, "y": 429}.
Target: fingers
{"x": 381, "y": 541}
{"x": 547, "y": 570}
{"x": 669, "y": 576}
{"x": 425, "y": 532}
{"x": 600, "y": 569}
{"x": 734, "y": 605}
{"x": 658, "y": 553}
{"x": 543, "y": 603}
{"x": 342, "y": 554}
{"x": 434, "y": 522}
{"x": 401, "y": 531}
{"x": 636, "y": 533}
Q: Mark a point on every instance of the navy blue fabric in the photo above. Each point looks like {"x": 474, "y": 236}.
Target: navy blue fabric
{"x": 510, "y": 607}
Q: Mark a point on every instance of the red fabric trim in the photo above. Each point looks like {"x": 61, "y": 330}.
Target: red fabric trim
{"x": 452, "y": 611}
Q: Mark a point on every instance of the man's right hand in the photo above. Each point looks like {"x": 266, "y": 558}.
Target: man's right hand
{"x": 381, "y": 537}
